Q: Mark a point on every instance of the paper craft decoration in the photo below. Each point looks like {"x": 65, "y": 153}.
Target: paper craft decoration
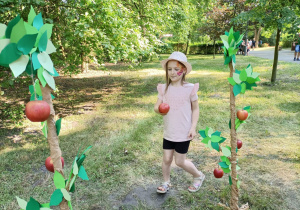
{"x": 25, "y": 44}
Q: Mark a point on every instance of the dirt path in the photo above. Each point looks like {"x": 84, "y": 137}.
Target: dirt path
{"x": 284, "y": 54}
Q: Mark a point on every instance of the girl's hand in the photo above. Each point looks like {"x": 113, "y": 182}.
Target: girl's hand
{"x": 192, "y": 134}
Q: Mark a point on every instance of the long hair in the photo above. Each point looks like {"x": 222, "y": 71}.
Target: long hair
{"x": 168, "y": 80}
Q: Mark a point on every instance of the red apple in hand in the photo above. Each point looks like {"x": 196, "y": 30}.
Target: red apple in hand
{"x": 37, "y": 111}
{"x": 239, "y": 144}
{"x": 164, "y": 108}
{"x": 218, "y": 173}
{"x": 242, "y": 114}
{"x": 49, "y": 163}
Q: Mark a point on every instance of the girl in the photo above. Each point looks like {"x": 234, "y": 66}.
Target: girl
{"x": 181, "y": 120}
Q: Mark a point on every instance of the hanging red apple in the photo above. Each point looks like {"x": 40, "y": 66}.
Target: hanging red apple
{"x": 37, "y": 111}
{"x": 242, "y": 115}
{"x": 164, "y": 108}
{"x": 49, "y": 163}
{"x": 218, "y": 173}
{"x": 239, "y": 144}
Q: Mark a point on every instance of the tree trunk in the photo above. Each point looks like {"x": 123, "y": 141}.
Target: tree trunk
{"x": 274, "y": 70}
{"x": 187, "y": 47}
{"x": 257, "y": 35}
{"x": 234, "y": 189}
{"x": 214, "y": 48}
{"x": 52, "y": 138}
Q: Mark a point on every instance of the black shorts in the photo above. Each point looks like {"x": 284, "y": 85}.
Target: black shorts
{"x": 180, "y": 147}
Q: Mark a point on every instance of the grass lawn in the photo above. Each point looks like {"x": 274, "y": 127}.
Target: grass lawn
{"x": 112, "y": 110}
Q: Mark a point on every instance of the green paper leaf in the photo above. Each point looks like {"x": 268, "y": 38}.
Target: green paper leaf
{"x": 251, "y": 80}
{"x": 56, "y": 198}
{"x": 4, "y": 43}
{"x": 10, "y": 54}
{"x": 223, "y": 139}
{"x": 209, "y": 132}
{"x": 225, "y": 40}
{"x": 72, "y": 182}
{"x": 247, "y": 108}
{"x": 58, "y": 126}
{"x": 226, "y": 151}
{"x": 236, "y": 36}
{"x": 243, "y": 75}
{"x": 87, "y": 149}
{"x": 209, "y": 145}
{"x": 46, "y": 27}
{"x": 38, "y": 21}
{"x": 75, "y": 168}
{"x": 237, "y": 89}
{"x": 216, "y": 138}
{"x": 216, "y": 133}
{"x": 59, "y": 180}
{"x": 38, "y": 87}
{"x": 240, "y": 40}
{"x": 41, "y": 77}
{"x": 22, "y": 203}
{"x": 19, "y": 66}
{"x": 232, "y": 51}
{"x": 46, "y": 205}
{"x": 43, "y": 42}
{"x": 227, "y": 60}
{"x": 249, "y": 71}
{"x": 229, "y": 124}
{"x": 255, "y": 74}
{"x": 226, "y": 170}
{"x": 45, "y": 129}
{"x": 55, "y": 73}
{"x": 202, "y": 133}
{"x": 50, "y": 47}
{"x": 49, "y": 79}
{"x": 2, "y": 30}
{"x": 82, "y": 173}
{"x": 10, "y": 26}
{"x": 31, "y": 15}
{"x": 33, "y": 204}
{"x": 81, "y": 159}
{"x": 35, "y": 61}
{"x": 66, "y": 194}
{"x": 223, "y": 165}
{"x": 70, "y": 205}
{"x": 33, "y": 50}
{"x": 226, "y": 33}
{"x": 30, "y": 29}
{"x": 46, "y": 61}
{"x": 26, "y": 43}
{"x": 18, "y": 32}
{"x": 236, "y": 78}
{"x": 243, "y": 88}
{"x": 231, "y": 81}
{"x": 223, "y": 158}
{"x": 230, "y": 180}
{"x": 215, "y": 145}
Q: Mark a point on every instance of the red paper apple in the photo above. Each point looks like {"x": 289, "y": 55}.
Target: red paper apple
{"x": 164, "y": 108}
{"x": 239, "y": 144}
{"x": 218, "y": 173}
{"x": 37, "y": 111}
{"x": 242, "y": 114}
{"x": 49, "y": 163}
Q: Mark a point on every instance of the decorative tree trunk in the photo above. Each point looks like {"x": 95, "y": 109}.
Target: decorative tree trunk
{"x": 52, "y": 137}
{"x": 234, "y": 188}
{"x": 257, "y": 35}
{"x": 274, "y": 70}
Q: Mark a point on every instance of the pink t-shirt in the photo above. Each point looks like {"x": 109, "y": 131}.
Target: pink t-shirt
{"x": 178, "y": 121}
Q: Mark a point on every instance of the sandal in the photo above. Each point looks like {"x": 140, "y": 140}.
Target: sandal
{"x": 197, "y": 185}
{"x": 165, "y": 186}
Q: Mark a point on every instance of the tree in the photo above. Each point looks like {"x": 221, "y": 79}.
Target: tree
{"x": 276, "y": 14}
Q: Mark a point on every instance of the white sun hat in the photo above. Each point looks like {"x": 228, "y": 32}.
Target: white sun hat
{"x": 178, "y": 56}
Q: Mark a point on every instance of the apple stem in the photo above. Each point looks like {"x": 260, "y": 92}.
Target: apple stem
{"x": 32, "y": 78}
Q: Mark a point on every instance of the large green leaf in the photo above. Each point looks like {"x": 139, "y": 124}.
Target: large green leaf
{"x": 31, "y": 15}
{"x": 10, "y": 26}
{"x": 59, "y": 180}
{"x": 9, "y": 54}
{"x": 18, "y": 32}
{"x": 237, "y": 89}
{"x": 243, "y": 75}
{"x": 25, "y": 44}
{"x": 56, "y": 198}
{"x": 231, "y": 81}
{"x": 82, "y": 173}
{"x": 215, "y": 145}
{"x": 22, "y": 203}
{"x": 33, "y": 204}
{"x": 58, "y": 126}
{"x": 225, "y": 40}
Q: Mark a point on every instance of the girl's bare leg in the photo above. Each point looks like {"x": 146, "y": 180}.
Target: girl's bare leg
{"x": 166, "y": 165}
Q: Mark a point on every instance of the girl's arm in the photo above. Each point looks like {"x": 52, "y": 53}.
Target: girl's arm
{"x": 158, "y": 102}
{"x": 195, "y": 117}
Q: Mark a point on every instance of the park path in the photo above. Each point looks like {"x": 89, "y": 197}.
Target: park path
{"x": 284, "y": 54}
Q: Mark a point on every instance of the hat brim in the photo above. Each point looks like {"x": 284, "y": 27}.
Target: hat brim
{"x": 186, "y": 64}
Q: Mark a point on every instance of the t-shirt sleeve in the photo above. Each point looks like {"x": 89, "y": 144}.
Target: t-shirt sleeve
{"x": 160, "y": 91}
{"x": 194, "y": 95}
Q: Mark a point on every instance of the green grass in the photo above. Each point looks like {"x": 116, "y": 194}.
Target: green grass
{"x": 113, "y": 111}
